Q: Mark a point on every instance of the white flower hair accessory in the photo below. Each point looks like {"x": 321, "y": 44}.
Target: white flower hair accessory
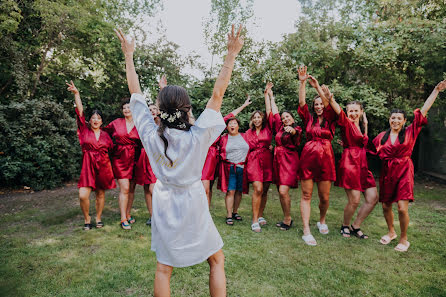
{"x": 170, "y": 117}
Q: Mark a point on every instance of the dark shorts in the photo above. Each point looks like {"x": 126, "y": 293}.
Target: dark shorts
{"x": 235, "y": 178}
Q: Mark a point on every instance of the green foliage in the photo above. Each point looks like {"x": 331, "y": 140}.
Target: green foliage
{"x": 39, "y": 146}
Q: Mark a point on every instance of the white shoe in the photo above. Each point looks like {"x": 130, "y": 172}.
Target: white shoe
{"x": 309, "y": 239}
{"x": 256, "y": 227}
{"x": 323, "y": 228}
{"x": 262, "y": 221}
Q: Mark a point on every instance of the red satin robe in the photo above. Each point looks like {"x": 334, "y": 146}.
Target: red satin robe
{"x": 317, "y": 157}
{"x": 127, "y": 149}
{"x": 143, "y": 171}
{"x": 397, "y": 172}
{"x": 286, "y": 157}
{"x": 353, "y": 171}
{"x": 212, "y": 158}
{"x": 96, "y": 170}
{"x": 259, "y": 162}
{"x": 225, "y": 165}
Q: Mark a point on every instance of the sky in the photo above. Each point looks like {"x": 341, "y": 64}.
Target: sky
{"x": 183, "y": 22}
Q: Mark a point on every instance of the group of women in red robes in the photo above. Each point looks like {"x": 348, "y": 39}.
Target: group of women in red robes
{"x": 109, "y": 153}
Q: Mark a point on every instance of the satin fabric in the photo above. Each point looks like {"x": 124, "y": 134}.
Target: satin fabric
{"x": 212, "y": 159}
{"x": 126, "y": 151}
{"x": 286, "y": 157}
{"x": 353, "y": 171}
{"x": 183, "y": 233}
{"x": 96, "y": 170}
{"x": 143, "y": 171}
{"x": 397, "y": 171}
{"x": 225, "y": 165}
{"x": 317, "y": 158}
{"x": 259, "y": 162}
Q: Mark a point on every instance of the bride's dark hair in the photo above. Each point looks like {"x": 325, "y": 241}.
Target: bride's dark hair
{"x": 174, "y": 105}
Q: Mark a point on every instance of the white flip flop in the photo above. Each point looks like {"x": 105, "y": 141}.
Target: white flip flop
{"x": 402, "y": 247}
{"x": 262, "y": 221}
{"x": 322, "y": 227}
{"x": 256, "y": 228}
{"x": 309, "y": 240}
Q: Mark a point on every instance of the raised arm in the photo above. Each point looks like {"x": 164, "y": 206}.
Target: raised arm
{"x": 128, "y": 47}
{"x": 431, "y": 99}
{"x": 327, "y": 94}
{"x": 246, "y": 103}
{"x": 315, "y": 84}
{"x": 267, "y": 92}
{"x": 365, "y": 123}
{"x": 302, "y": 71}
{"x": 235, "y": 43}
{"x": 77, "y": 97}
{"x": 274, "y": 108}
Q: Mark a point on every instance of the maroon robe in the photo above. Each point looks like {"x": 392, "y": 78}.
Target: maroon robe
{"x": 96, "y": 170}
{"x": 225, "y": 165}
{"x": 143, "y": 171}
{"x": 212, "y": 158}
{"x": 286, "y": 157}
{"x": 259, "y": 162}
{"x": 353, "y": 171}
{"x": 317, "y": 157}
{"x": 127, "y": 149}
{"x": 397, "y": 172}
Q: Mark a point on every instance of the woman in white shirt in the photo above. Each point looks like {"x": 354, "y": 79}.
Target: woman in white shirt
{"x": 183, "y": 233}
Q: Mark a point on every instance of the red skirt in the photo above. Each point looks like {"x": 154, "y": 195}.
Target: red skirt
{"x": 210, "y": 165}
{"x": 259, "y": 165}
{"x": 353, "y": 172}
{"x": 285, "y": 167}
{"x": 96, "y": 171}
{"x": 317, "y": 161}
{"x": 143, "y": 171}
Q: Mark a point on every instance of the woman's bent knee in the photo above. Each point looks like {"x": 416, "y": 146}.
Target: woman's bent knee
{"x": 217, "y": 259}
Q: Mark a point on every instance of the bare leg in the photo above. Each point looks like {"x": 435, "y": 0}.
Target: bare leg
{"x": 124, "y": 187}
{"x": 84, "y": 200}
{"x": 217, "y": 277}
{"x": 237, "y": 200}
{"x": 403, "y": 215}
{"x": 229, "y": 202}
{"x": 323, "y": 188}
{"x": 148, "y": 190}
{"x": 354, "y": 197}
{"x": 285, "y": 202}
{"x": 371, "y": 198}
{"x": 305, "y": 204}
{"x": 388, "y": 215}
{"x": 131, "y": 198}
{"x": 211, "y": 183}
{"x": 100, "y": 201}
{"x": 162, "y": 280}
{"x": 264, "y": 198}
{"x": 256, "y": 198}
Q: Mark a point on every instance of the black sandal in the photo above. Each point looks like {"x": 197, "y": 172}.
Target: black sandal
{"x": 88, "y": 227}
{"x": 356, "y": 231}
{"x": 229, "y": 222}
{"x": 283, "y": 226}
{"x": 237, "y": 217}
{"x": 345, "y": 230}
{"x": 99, "y": 225}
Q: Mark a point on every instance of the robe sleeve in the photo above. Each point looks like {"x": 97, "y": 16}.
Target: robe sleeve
{"x": 277, "y": 122}
{"x": 342, "y": 119}
{"x": 418, "y": 122}
{"x": 270, "y": 120}
{"x": 144, "y": 122}
{"x": 329, "y": 114}
{"x": 208, "y": 127}
{"x": 110, "y": 128}
{"x": 304, "y": 113}
{"x": 81, "y": 123}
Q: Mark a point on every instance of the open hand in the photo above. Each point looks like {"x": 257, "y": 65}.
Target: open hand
{"x": 163, "y": 82}
{"x": 268, "y": 88}
{"x": 290, "y": 130}
{"x": 441, "y": 86}
{"x": 128, "y": 47}
{"x": 313, "y": 81}
{"x": 302, "y": 71}
{"x": 72, "y": 88}
{"x": 235, "y": 42}
{"x": 327, "y": 93}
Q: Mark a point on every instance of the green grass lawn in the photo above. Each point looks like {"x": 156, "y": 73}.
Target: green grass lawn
{"x": 45, "y": 252}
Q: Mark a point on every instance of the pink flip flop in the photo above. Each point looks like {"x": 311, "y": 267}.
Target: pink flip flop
{"x": 402, "y": 247}
{"x": 386, "y": 239}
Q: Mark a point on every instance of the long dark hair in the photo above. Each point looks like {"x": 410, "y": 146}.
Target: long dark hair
{"x": 361, "y": 119}
{"x": 294, "y": 125}
{"x": 251, "y": 125}
{"x": 401, "y": 134}
{"x": 315, "y": 118}
{"x": 173, "y": 100}
{"x": 124, "y": 101}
